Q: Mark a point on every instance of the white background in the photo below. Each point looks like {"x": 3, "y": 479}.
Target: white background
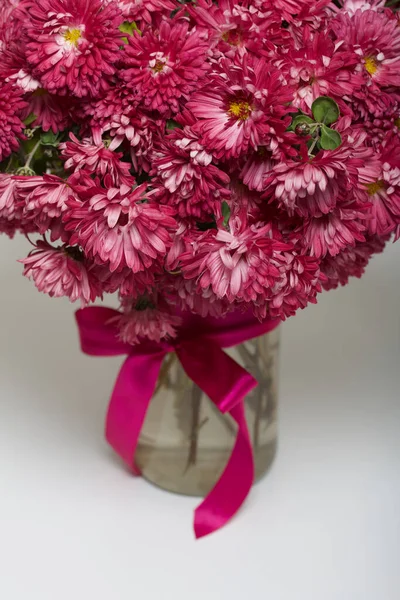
{"x": 324, "y": 524}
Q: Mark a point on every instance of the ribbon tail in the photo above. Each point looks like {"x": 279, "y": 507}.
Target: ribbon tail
{"x": 235, "y": 483}
{"x": 129, "y": 402}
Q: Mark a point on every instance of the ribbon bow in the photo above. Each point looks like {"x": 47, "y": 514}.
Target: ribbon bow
{"x": 199, "y": 348}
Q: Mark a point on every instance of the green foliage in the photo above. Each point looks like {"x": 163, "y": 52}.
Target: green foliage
{"x": 129, "y": 27}
{"x": 171, "y": 125}
{"x": 29, "y": 119}
{"x": 48, "y": 138}
{"x": 226, "y": 213}
{"x": 300, "y": 120}
{"x": 325, "y": 110}
{"x": 330, "y": 139}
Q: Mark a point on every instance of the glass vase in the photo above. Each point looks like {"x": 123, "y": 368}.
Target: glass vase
{"x": 186, "y": 441}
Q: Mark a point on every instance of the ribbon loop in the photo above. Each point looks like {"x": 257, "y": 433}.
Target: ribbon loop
{"x": 223, "y": 380}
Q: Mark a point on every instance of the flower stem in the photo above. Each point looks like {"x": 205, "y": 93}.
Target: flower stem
{"x": 195, "y": 427}
{"x": 32, "y": 154}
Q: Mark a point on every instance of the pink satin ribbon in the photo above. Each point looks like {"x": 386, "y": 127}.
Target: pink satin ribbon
{"x": 199, "y": 348}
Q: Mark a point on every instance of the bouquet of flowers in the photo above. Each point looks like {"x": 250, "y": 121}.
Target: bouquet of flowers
{"x": 207, "y": 156}
{"x": 199, "y": 157}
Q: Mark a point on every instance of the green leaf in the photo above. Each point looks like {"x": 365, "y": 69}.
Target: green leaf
{"x": 330, "y": 139}
{"x": 30, "y": 119}
{"x": 129, "y": 27}
{"x": 226, "y": 213}
{"x": 171, "y": 125}
{"x": 300, "y": 119}
{"x": 325, "y": 110}
{"x": 48, "y": 138}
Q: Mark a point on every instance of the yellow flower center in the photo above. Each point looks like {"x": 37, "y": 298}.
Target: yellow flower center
{"x": 239, "y": 109}
{"x": 159, "y": 66}
{"x": 397, "y": 122}
{"x": 232, "y": 37}
{"x": 72, "y": 36}
{"x": 371, "y": 64}
{"x": 375, "y": 187}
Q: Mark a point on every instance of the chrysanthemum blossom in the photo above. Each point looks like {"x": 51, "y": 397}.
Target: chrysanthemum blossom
{"x": 239, "y": 264}
{"x": 298, "y": 286}
{"x": 187, "y": 178}
{"x": 144, "y": 10}
{"x": 256, "y": 169}
{"x": 14, "y": 64}
{"x": 237, "y": 27}
{"x": 139, "y": 131}
{"x": 142, "y": 319}
{"x": 309, "y": 187}
{"x": 383, "y": 196}
{"x": 185, "y": 295}
{"x": 350, "y": 262}
{"x": 11, "y": 126}
{"x": 164, "y": 69}
{"x": 352, "y": 6}
{"x": 121, "y": 227}
{"x": 94, "y": 155}
{"x": 61, "y": 271}
{"x": 375, "y": 36}
{"x": 288, "y": 10}
{"x": 241, "y": 108}
{"x": 332, "y": 233}
{"x": 51, "y": 111}
{"x": 72, "y": 44}
{"x": 42, "y": 199}
{"x": 321, "y": 68}
{"x": 8, "y": 196}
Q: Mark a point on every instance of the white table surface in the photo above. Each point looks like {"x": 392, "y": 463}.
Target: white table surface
{"x": 323, "y": 525}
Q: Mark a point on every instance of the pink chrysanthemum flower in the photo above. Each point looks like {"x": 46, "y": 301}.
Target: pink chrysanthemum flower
{"x": 144, "y": 10}
{"x": 121, "y": 227}
{"x": 143, "y": 319}
{"x": 352, "y": 6}
{"x": 375, "y": 36}
{"x": 321, "y": 68}
{"x": 185, "y": 295}
{"x": 233, "y": 27}
{"x": 8, "y": 197}
{"x": 12, "y": 218}
{"x": 313, "y": 185}
{"x": 299, "y": 286}
{"x": 186, "y": 175}
{"x": 137, "y": 129}
{"x": 241, "y": 108}
{"x": 256, "y": 169}
{"x": 61, "y": 271}
{"x": 118, "y": 100}
{"x": 350, "y": 262}
{"x": 51, "y": 111}
{"x": 289, "y": 10}
{"x": 95, "y": 156}
{"x": 309, "y": 187}
{"x": 73, "y": 45}
{"x": 164, "y": 68}
{"x": 384, "y": 198}
{"x": 125, "y": 282}
{"x": 332, "y": 233}
{"x": 14, "y": 65}
{"x": 237, "y": 264}
{"x": 6, "y": 8}
{"x": 11, "y": 126}
{"x": 43, "y": 200}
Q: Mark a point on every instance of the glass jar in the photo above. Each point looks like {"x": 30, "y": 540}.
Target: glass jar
{"x": 186, "y": 441}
